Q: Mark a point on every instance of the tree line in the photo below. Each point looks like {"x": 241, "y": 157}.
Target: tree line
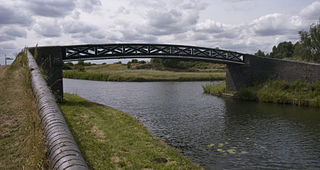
{"x": 306, "y": 49}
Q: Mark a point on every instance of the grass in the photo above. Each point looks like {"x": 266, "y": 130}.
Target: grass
{"x": 111, "y": 139}
{"x": 21, "y": 139}
{"x": 217, "y": 90}
{"x": 120, "y": 72}
{"x": 277, "y": 91}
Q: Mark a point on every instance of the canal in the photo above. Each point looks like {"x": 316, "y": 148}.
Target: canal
{"x": 217, "y": 133}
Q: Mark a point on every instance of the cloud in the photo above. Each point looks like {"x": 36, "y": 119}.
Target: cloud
{"x": 194, "y": 5}
{"x": 12, "y": 16}
{"x": 11, "y": 32}
{"x": 89, "y": 5}
{"x": 169, "y": 22}
{"x": 15, "y": 31}
{"x": 74, "y": 27}
{"x": 51, "y": 8}
{"x": 209, "y": 26}
{"x": 276, "y": 24}
{"x": 48, "y": 29}
{"x": 311, "y": 12}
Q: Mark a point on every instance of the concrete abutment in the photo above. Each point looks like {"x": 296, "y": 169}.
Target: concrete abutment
{"x": 259, "y": 69}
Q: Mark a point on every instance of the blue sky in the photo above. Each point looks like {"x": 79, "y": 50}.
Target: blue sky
{"x": 239, "y": 25}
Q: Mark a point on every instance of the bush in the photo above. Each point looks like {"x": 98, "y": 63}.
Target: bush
{"x": 67, "y": 66}
{"x": 246, "y": 94}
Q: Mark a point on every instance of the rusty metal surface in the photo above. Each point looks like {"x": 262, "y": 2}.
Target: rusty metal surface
{"x": 63, "y": 152}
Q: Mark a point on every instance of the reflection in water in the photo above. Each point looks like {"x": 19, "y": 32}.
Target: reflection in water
{"x": 218, "y": 133}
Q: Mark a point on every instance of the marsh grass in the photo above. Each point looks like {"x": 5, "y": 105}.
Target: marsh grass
{"x": 120, "y": 72}
{"x": 111, "y": 139}
{"x": 21, "y": 139}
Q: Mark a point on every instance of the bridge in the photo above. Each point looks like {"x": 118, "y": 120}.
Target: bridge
{"x": 117, "y": 51}
{"x": 243, "y": 70}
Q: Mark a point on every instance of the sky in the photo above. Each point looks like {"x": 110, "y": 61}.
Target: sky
{"x": 238, "y": 25}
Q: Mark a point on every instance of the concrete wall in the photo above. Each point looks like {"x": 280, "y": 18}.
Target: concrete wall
{"x": 49, "y": 59}
{"x": 258, "y": 69}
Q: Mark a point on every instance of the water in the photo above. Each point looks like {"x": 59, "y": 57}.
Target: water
{"x": 217, "y": 133}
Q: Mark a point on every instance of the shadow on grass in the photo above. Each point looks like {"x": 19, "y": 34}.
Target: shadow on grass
{"x": 82, "y": 103}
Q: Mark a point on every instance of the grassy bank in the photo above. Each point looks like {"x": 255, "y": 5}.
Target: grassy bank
{"x": 218, "y": 90}
{"x": 276, "y": 91}
{"x": 120, "y": 72}
{"x": 21, "y": 140}
{"x": 113, "y": 139}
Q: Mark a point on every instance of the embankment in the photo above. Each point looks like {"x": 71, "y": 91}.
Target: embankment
{"x": 111, "y": 138}
{"x": 274, "y": 91}
{"x": 21, "y": 138}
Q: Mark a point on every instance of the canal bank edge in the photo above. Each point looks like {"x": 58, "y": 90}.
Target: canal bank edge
{"x": 111, "y": 138}
{"x": 273, "y": 91}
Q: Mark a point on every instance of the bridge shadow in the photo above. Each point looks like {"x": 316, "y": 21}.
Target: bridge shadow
{"x": 67, "y": 101}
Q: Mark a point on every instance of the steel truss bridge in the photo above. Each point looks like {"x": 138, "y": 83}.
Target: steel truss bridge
{"x": 119, "y": 51}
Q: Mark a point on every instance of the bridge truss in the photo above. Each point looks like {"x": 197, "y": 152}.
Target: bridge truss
{"x": 117, "y": 51}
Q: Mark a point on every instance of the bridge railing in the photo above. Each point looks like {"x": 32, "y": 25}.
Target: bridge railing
{"x": 148, "y": 51}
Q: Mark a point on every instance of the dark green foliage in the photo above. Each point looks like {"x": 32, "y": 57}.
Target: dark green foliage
{"x": 119, "y": 62}
{"x": 179, "y": 63}
{"x": 260, "y": 53}
{"x": 246, "y": 94}
{"x": 308, "y": 48}
{"x": 129, "y": 65}
{"x": 67, "y": 66}
{"x": 283, "y": 50}
{"x": 134, "y": 61}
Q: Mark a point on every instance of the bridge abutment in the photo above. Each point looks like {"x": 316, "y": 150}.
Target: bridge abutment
{"x": 49, "y": 59}
{"x": 259, "y": 69}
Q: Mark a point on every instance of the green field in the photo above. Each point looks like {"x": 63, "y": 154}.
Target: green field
{"x": 120, "y": 72}
{"x": 113, "y": 139}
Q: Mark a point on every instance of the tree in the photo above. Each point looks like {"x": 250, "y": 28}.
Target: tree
{"x": 283, "y": 50}
{"x": 260, "y": 53}
{"x": 308, "y": 47}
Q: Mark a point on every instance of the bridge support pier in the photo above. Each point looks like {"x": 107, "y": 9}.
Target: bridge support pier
{"x": 49, "y": 60}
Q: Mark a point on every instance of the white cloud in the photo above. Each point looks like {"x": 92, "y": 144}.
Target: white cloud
{"x": 311, "y": 12}
{"x": 209, "y": 26}
{"x": 276, "y": 24}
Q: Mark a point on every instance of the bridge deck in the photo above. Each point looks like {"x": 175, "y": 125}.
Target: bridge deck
{"x": 116, "y": 51}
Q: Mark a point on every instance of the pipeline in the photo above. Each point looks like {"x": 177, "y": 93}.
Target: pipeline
{"x": 62, "y": 150}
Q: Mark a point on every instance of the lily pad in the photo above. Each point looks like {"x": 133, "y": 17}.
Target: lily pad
{"x": 243, "y": 152}
{"x": 221, "y": 150}
{"x": 220, "y": 145}
{"x": 231, "y": 151}
{"x": 211, "y": 145}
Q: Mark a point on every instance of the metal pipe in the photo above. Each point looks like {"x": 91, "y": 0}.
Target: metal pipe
{"x": 62, "y": 150}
